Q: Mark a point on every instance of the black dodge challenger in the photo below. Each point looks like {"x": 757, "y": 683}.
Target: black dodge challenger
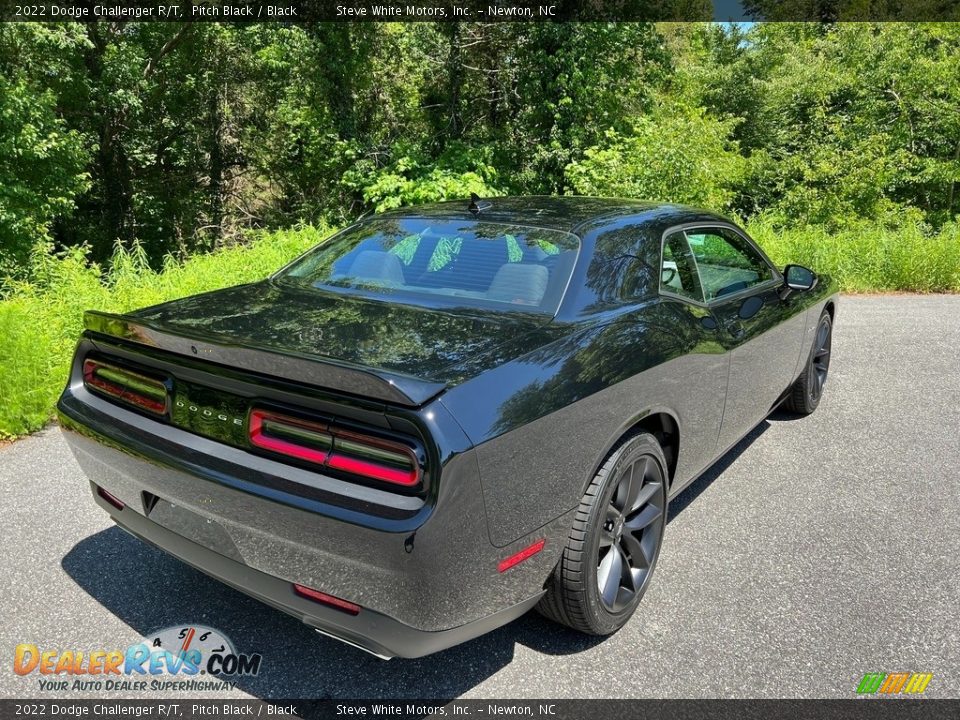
{"x": 444, "y": 416}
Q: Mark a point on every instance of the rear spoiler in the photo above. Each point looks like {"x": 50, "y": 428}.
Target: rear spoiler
{"x": 311, "y": 370}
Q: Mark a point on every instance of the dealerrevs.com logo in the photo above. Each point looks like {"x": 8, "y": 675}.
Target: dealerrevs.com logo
{"x": 898, "y": 683}
{"x": 191, "y": 657}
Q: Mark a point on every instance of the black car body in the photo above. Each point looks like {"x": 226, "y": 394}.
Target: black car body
{"x": 400, "y": 466}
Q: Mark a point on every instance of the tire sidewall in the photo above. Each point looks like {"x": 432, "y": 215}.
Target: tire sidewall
{"x": 638, "y": 446}
{"x": 812, "y": 400}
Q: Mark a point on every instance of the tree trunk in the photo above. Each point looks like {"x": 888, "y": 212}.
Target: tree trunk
{"x": 454, "y": 85}
{"x": 113, "y": 167}
{"x": 216, "y": 166}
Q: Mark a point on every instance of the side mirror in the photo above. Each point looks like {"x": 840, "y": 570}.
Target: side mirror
{"x": 797, "y": 277}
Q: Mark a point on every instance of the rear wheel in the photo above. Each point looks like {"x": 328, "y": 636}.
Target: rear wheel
{"x": 808, "y": 389}
{"x": 615, "y": 541}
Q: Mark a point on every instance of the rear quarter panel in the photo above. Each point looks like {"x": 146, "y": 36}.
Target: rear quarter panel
{"x": 543, "y": 424}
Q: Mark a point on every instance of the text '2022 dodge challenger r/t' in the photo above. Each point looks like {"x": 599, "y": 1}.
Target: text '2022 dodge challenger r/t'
{"x": 447, "y": 415}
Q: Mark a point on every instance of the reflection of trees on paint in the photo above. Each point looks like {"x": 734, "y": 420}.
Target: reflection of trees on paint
{"x": 368, "y": 332}
{"x": 598, "y": 358}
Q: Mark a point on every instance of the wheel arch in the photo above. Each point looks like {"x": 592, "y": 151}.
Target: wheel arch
{"x": 659, "y": 422}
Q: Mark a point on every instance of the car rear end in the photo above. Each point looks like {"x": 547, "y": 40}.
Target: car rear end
{"x": 360, "y": 513}
{"x": 289, "y": 437}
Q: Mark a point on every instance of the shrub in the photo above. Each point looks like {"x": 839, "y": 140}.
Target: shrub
{"x": 413, "y": 180}
{"x": 678, "y": 154}
{"x": 870, "y": 257}
{"x": 40, "y": 320}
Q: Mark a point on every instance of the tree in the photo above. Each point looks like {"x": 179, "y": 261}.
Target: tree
{"x": 675, "y": 154}
{"x": 41, "y": 171}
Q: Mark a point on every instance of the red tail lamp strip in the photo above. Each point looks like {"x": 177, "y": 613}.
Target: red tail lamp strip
{"x": 324, "y": 599}
{"x": 260, "y": 438}
{"x": 373, "y": 470}
{"x": 527, "y": 552}
{"x": 132, "y": 388}
{"x": 336, "y": 448}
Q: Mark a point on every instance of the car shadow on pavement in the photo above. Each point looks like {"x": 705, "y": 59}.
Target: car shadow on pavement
{"x": 693, "y": 490}
{"x": 150, "y": 590}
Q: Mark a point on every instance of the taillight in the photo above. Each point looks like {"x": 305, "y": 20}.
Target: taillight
{"x": 334, "y": 447}
{"x": 374, "y": 458}
{"x": 290, "y": 436}
{"x": 143, "y": 392}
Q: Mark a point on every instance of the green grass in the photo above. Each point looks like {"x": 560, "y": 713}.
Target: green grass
{"x": 870, "y": 258}
{"x": 41, "y": 321}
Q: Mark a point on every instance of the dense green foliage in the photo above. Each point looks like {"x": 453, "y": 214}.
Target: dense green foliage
{"x": 41, "y": 321}
{"x": 127, "y": 151}
{"x": 41, "y": 169}
{"x": 675, "y": 152}
{"x": 182, "y": 136}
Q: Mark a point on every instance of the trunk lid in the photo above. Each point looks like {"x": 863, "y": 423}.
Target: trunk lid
{"x": 398, "y": 353}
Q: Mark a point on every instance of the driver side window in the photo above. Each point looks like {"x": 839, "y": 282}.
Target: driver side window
{"x": 678, "y": 269}
{"x": 726, "y": 262}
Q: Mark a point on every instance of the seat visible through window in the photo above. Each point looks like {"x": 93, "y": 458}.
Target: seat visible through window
{"x": 521, "y": 284}
{"x": 378, "y": 266}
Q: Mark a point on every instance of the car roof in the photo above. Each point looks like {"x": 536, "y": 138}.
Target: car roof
{"x": 568, "y": 213}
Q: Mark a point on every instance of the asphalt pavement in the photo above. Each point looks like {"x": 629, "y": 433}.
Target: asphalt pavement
{"x": 817, "y": 550}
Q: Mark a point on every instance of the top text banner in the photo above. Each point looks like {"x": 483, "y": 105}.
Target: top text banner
{"x": 480, "y": 11}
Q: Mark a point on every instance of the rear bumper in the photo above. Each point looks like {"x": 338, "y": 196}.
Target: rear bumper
{"x": 425, "y": 575}
{"x": 368, "y": 630}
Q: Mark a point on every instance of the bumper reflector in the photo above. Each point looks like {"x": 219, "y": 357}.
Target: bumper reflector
{"x": 115, "y": 501}
{"x": 519, "y": 557}
{"x": 328, "y": 600}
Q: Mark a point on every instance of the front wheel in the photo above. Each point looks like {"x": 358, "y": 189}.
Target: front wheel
{"x": 808, "y": 389}
{"x": 614, "y": 543}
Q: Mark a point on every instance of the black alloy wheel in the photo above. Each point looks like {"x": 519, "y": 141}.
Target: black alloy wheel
{"x": 820, "y": 364}
{"x": 808, "y": 389}
{"x": 614, "y": 543}
{"x": 630, "y": 535}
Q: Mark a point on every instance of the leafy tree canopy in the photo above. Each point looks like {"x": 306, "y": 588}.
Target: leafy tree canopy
{"x": 180, "y": 137}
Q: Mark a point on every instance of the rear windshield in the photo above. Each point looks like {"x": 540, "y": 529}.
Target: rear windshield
{"x": 425, "y": 261}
